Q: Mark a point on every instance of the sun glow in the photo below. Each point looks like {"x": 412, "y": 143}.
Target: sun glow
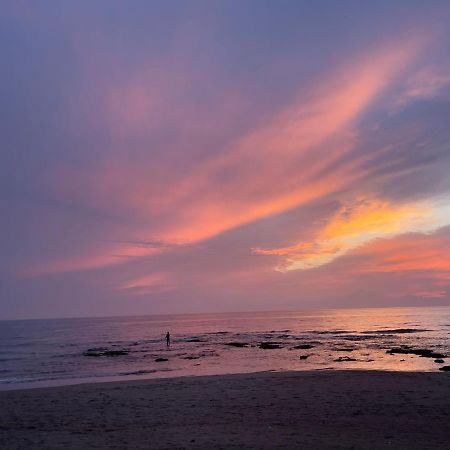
{"x": 352, "y": 226}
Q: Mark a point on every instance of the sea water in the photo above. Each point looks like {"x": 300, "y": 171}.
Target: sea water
{"x": 53, "y": 352}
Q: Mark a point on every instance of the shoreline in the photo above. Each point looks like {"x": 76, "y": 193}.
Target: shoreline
{"x": 62, "y": 383}
{"x": 169, "y": 375}
{"x": 311, "y": 409}
{"x": 136, "y": 379}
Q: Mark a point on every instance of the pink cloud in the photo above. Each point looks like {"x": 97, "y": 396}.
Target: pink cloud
{"x": 154, "y": 282}
{"x": 280, "y": 165}
{"x": 426, "y": 83}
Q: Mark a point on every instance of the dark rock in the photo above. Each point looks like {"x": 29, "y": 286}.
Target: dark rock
{"x": 304, "y": 356}
{"x": 191, "y": 357}
{"x": 97, "y": 351}
{"x": 161, "y": 359}
{"x": 434, "y": 355}
{"x": 423, "y": 352}
{"x": 303, "y": 347}
{"x": 105, "y": 352}
{"x": 139, "y": 372}
{"x": 397, "y": 331}
{"x": 269, "y": 345}
{"x": 116, "y": 352}
{"x": 445, "y": 368}
{"x": 439, "y": 361}
{"x": 333, "y": 332}
{"x": 344, "y": 358}
{"x": 236, "y": 344}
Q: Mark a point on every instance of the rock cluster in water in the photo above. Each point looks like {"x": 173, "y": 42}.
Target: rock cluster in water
{"x": 102, "y": 351}
{"x": 397, "y": 331}
{"x": 236, "y": 344}
{"x": 269, "y": 345}
{"x": 424, "y": 352}
{"x": 344, "y": 359}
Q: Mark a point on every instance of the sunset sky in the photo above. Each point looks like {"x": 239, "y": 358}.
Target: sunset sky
{"x": 190, "y": 156}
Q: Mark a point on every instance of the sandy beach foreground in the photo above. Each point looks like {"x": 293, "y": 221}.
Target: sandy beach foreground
{"x": 310, "y": 410}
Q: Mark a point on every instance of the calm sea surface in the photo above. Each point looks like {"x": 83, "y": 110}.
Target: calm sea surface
{"x": 53, "y": 352}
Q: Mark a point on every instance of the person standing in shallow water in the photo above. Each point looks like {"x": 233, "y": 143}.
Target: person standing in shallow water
{"x": 168, "y": 339}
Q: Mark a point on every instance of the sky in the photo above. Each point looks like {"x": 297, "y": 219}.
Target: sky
{"x": 210, "y": 156}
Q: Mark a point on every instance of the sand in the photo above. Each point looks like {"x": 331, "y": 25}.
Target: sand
{"x": 301, "y": 410}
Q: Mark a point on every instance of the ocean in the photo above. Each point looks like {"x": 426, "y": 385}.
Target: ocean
{"x": 36, "y": 353}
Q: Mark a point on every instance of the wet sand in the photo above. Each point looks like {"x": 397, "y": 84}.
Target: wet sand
{"x": 308, "y": 410}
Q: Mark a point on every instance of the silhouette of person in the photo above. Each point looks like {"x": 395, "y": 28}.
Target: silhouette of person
{"x": 168, "y": 339}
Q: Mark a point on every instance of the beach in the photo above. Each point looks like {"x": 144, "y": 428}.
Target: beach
{"x": 311, "y": 410}
{"x": 224, "y": 225}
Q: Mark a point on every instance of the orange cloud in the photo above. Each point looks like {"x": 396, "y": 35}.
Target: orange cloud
{"x": 422, "y": 256}
{"x": 355, "y": 224}
{"x": 413, "y": 252}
